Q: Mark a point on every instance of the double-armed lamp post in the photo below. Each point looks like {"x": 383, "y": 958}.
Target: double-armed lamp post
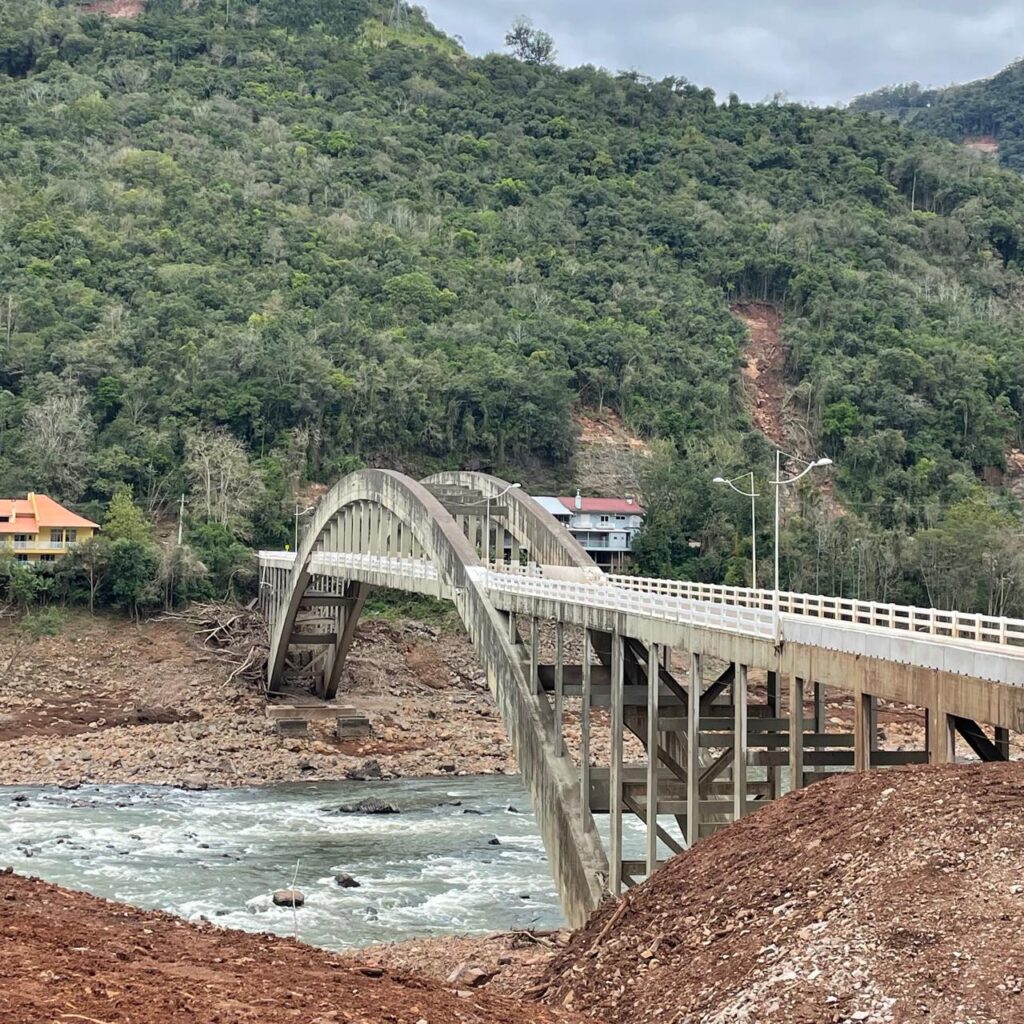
{"x": 752, "y": 495}
{"x": 778, "y": 483}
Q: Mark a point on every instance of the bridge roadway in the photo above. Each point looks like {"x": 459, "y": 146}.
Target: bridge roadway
{"x": 714, "y": 753}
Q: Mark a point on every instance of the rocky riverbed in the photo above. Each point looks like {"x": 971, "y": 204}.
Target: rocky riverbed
{"x": 106, "y": 701}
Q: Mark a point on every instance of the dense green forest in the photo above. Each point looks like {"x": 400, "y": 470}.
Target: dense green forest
{"x": 248, "y": 245}
{"x": 989, "y": 107}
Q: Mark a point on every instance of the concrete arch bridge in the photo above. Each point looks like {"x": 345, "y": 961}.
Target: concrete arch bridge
{"x": 670, "y": 660}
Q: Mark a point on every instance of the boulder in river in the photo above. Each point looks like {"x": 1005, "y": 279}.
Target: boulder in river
{"x": 194, "y": 783}
{"x": 288, "y": 898}
{"x": 369, "y": 806}
{"x": 346, "y": 881}
{"x": 367, "y": 771}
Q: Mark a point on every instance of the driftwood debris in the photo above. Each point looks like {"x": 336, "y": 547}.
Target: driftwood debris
{"x": 236, "y": 636}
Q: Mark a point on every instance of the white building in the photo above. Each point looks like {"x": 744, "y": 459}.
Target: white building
{"x": 605, "y": 527}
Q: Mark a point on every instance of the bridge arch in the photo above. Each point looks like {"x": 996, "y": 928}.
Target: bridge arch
{"x": 384, "y": 512}
{"x": 548, "y": 542}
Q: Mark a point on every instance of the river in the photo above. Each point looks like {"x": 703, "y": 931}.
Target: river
{"x": 429, "y": 870}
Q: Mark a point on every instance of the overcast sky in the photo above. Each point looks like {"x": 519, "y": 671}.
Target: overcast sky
{"x": 820, "y": 51}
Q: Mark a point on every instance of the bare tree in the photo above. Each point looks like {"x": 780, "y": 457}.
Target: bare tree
{"x": 57, "y": 436}
{"x": 223, "y": 481}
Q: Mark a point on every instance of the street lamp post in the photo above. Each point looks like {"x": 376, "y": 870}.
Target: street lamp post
{"x": 779, "y": 483}
{"x": 487, "y": 522}
{"x": 752, "y": 495}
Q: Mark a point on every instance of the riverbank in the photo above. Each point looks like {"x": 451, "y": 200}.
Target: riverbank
{"x": 108, "y": 701}
{"x": 73, "y": 958}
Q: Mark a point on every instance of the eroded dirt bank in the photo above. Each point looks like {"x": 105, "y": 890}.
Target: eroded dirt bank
{"x": 69, "y": 957}
{"x": 887, "y": 897}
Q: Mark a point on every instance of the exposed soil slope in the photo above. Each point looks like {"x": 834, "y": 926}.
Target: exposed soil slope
{"x": 609, "y": 456}
{"x": 888, "y": 897}
{"x": 69, "y": 957}
{"x": 987, "y": 144}
{"x": 764, "y": 371}
{"x": 117, "y": 8}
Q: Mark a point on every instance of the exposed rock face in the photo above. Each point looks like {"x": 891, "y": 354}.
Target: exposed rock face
{"x": 288, "y": 898}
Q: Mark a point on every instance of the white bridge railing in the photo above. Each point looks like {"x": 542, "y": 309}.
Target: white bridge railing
{"x": 935, "y": 621}
{"x": 737, "y": 609}
{"x": 734, "y": 618}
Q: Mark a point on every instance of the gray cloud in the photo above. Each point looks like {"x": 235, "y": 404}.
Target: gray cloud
{"x": 813, "y": 50}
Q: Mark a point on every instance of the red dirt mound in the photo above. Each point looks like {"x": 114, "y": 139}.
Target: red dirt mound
{"x": 888, "y": 897}
{"x": 69, "y": 958}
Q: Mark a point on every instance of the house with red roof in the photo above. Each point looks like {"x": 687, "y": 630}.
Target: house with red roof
{"x": 38, "y": 529}
{"x": 605, "y": 527}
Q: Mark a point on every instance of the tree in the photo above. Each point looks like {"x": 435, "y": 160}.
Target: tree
{"x": 124, "y": 519}
{"x": 225, "y": 485}
{"x": 56, "y": 443}
{"x": 88, "y": 562}
{"x": 530, "y": 45}
{"x": 133, "y": 572}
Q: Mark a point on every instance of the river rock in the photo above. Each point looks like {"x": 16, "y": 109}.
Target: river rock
{"x": 367, "y": 771}
{"x": 494, "y": 841}
{"x": 194, "y": 783}
{"x": 346, "y": 881}
{"x": 369, "y": 806}
{"x": 288, "y": 898}
{"x": 469, "y": 975}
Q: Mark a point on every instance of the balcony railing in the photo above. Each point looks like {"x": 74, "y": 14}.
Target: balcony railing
{"x": 40, "y": 545}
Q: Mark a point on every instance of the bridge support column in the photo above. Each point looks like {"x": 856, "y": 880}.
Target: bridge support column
{"x": 1002, "y": 741}
{"x": 941, "y": 736}
{"x": 796, "y": 733}
{"x": 559, "y": 686}
{"x": 693, "y": 750}
{"x": 588, "y": 657}
{"x": 740, "y": 748}
{"x": 774, "y": 711}
{"x": 653, "y": 745}
{"x": 861, "y": 731}
{"x": 615, "y": 767}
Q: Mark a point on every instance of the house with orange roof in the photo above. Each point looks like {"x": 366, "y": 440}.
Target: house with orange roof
{"x": 38, "y": 529}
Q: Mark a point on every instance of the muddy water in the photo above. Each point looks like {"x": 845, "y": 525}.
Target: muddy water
{"x": 430, "y": 870}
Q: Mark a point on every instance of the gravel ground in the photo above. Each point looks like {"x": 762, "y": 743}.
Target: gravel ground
{"x": 894, "y": 896}
{"x": 107, "y": 701}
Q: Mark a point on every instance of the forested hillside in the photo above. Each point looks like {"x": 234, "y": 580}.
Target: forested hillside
{"x": 262, "y": 243}
{"x": 990, "y": 108}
